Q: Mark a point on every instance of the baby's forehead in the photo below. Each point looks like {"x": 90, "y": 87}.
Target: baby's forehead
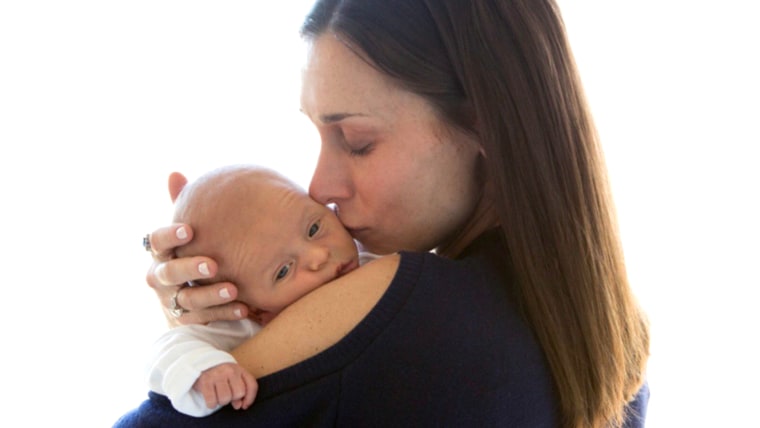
{"x": 258, "y": 203}
{"x": 236, "y": 186}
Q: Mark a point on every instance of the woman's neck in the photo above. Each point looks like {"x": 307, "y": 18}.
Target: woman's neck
{"x": 484, "y": 218}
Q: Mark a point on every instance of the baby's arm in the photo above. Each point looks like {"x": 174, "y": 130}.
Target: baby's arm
{"x": 181, "y": 355}
{"x": 220, "y": 385}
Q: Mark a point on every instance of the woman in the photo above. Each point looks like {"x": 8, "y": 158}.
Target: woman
{"x": 458, "y": 126}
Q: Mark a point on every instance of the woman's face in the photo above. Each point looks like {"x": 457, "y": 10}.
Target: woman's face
{"x": 399, "y": 177}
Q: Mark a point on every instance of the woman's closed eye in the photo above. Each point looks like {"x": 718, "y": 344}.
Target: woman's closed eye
{"x": 361, "y": 150}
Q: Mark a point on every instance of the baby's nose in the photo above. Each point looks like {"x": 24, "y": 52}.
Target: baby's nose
{"x": 318, "y": 257}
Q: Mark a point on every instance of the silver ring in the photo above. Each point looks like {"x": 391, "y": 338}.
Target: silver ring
{"x": 174, "y": 307}
{"x": 146, "y": 243}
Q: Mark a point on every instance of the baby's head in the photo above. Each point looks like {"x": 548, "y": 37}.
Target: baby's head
{"x": 266, "y": 234}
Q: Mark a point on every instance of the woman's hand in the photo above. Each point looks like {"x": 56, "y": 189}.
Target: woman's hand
{"x": 168, "y": 276}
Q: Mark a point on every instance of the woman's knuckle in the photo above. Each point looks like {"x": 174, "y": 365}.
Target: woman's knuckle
{"x": 150, "y": 278}
{"x": 187, "y": 299}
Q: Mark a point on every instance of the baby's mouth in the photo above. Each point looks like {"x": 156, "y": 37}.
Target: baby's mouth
{"x": 346, "y": 268}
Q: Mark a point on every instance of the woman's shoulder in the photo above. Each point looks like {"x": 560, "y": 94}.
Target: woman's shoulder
{"x": 440, "y": 325}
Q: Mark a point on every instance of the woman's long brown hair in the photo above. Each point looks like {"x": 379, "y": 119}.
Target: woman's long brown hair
{"x": 503, "y": 69}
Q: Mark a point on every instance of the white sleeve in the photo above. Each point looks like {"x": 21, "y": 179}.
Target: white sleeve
{"x": 366, "y": 257}
{"x": 180, "y": 355}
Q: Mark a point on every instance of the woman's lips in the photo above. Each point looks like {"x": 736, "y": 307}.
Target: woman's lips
{"x": 356, "y": 231}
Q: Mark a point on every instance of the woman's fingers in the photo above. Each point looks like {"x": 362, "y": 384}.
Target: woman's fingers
{"x": 163, "y": 241}
{"x": 200, "y": 304}
{"x": 229, "y": 312}
{"x": 206, "y": 296}
{"x": 168, "y": 276}
{"x": 207, "y": 303}
{"x": 180, "y": 271}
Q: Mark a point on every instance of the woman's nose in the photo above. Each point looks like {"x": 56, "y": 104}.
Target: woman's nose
{"x": 317, "y": 257}
{"x": 330, "y": 181}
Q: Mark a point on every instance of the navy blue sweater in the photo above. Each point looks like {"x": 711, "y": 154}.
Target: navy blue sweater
{"x": 444, "y": 346}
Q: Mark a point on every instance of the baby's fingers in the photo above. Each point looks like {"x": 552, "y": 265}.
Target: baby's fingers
{"x": 209, "y": 394}
{"x": 223, "y": 394}
{"x": 251, "y": 388}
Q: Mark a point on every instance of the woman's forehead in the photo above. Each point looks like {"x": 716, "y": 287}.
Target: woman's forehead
{"x": 336, "y": 81}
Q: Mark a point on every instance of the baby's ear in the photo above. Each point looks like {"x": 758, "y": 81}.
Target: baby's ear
{"x": 177, "y": 182}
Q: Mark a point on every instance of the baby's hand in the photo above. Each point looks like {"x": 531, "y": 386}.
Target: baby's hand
{"x": 227, "y": 383}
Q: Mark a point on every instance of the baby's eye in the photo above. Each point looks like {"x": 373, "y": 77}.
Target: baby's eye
{"x": 313, "y": 230}
{"x": 282, "y": 273}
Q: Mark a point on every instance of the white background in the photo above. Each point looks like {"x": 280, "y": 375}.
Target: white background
{"x": 101, "y": 100}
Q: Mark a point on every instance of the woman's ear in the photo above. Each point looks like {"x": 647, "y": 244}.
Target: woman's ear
{"x": 177, "y": 182}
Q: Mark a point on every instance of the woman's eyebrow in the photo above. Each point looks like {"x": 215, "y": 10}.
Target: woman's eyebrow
{"x": 337, "y": 117}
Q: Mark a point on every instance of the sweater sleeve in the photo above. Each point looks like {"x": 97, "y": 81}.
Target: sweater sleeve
{"x": 180, "y": 355}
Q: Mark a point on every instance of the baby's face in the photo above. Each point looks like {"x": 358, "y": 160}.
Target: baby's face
{"x": 292, "y": 245}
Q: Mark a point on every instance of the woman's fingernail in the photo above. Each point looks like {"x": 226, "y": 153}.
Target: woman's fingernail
{"x": 224, "y": 293}
{"x": 181, "y": 233}
{"x": 238, "y": 313}
{"x": 203, "y": 269}
{"x": 160, "y": 274}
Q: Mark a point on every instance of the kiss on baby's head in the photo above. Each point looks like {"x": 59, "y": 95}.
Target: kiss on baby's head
{"x": 265, "y": 233}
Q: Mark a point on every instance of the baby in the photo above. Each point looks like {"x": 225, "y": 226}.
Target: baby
{"x": 276, "y": 244}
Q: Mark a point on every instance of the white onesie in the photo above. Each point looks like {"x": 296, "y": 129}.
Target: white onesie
{"x": 181, "y": 354}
